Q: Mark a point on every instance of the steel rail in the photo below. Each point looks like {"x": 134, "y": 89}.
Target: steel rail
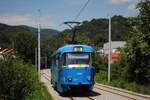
{"x": 115, "y": 93}
{"x": 138, "y": 95}
{"x": 90, "y": 98}
{"x": 45, "y": 77}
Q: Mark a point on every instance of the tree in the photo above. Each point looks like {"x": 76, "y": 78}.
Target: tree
{"x": 25, "y": 45}
{"x": 138, "y": 46}
{"x": 97, "y": 29}
{"x": 144, "y": 16}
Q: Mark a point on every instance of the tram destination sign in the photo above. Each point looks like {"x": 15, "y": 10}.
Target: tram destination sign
{"x": 78, "y": 49}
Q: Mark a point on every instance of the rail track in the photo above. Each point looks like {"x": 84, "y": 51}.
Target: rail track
{"x": 123, "y": 91}
{"x": 116, "y": 91}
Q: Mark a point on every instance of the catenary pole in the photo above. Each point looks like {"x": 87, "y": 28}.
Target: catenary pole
{"x": 36, "y": 58}
{"x": 109, "y": 53}
{"x": 39, "y": 48}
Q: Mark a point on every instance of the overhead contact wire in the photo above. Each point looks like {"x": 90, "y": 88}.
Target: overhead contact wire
{"x": 82, "y": 9}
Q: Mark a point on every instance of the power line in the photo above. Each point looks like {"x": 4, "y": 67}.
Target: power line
{"x": 82, "y": 9}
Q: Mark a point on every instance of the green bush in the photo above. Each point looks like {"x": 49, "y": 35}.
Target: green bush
{"x": 17, "y": 79}
{"x": 101, "y": 77}
{"x": 99, "y": 62}
{"x": 132, "y": 86}
{"x": 39, "y": 94}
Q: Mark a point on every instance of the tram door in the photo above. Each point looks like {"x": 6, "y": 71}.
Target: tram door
{"x": 58, "y": 67}
{"x": 55, "y": 69}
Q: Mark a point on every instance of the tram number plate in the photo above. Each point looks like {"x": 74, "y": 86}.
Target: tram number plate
{"x": 79, "y": 73}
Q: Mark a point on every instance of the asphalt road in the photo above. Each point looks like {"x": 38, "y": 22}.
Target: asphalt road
{"x": 99, "y": 92}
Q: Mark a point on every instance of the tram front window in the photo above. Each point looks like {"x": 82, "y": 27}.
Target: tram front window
{"x": 78, "y": 58}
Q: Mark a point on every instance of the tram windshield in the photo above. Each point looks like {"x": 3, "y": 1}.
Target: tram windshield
{"x": 78, "y": 58}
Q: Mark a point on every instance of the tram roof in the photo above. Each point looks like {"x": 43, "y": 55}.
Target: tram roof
{"x": 70, "y": 48}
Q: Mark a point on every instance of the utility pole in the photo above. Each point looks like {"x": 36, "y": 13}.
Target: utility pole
{"x": 39, "y": 48}
{"x": 109, "y": 54}
{"x": 36, "y": 58}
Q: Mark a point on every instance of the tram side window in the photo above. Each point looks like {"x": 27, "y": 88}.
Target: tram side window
{"x": 57, "y": 60}
{"x": 60, "y": 61}
{"x": 54, "y": 61}
{"x": 93, "y": 58}
{"x": 90, "y": 58}
{"x": 64, "y": 59}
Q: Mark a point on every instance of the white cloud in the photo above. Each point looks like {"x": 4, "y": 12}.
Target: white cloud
{"x": 17, "y": 19}
{"x": 132, "y": 11}
{"x": 120, "y": 1}
{"x": 26, "y": 19}
{"x": 132, "y": 6}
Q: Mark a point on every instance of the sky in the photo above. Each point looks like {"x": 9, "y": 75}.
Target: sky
{"x": 54, "y": 12}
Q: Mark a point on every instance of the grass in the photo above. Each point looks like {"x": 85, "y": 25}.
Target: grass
{"x": 101, "y": 77}
{"x": 40, "y": 94}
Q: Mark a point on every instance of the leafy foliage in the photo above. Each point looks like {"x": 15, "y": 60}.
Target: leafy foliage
{"x": 17, "y": 79}
{"x": 39, "y": 94}
{"x": 99, "y": 62}
{"x": 25, "y": 45}
{"x": 134, "y": 65}
{"x": 119, "y": 68}
{"x": 138, "y": 51}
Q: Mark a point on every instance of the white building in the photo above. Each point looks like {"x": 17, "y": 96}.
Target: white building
{"x": 115, "y": 55}
{"x": 114, "y": 46}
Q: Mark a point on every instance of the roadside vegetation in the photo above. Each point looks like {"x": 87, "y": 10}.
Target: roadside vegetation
{"x": 132, "y": 71}
{"x": 39, "y": 94}
{"x": 19, "y": 81}
{"x": 102, "y": 76}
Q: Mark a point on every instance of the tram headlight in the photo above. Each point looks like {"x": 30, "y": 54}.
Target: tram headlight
{"x": 89, "y": 78}
{"x": 69, "y": 79}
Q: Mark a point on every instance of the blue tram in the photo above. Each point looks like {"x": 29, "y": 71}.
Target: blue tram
{"x": 72, "y": 68}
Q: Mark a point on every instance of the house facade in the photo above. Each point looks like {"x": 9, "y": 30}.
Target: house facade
{"x": 115, "y": 54}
